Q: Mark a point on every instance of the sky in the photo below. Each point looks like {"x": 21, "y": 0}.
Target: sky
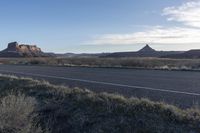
{"x": 95, "y": 26}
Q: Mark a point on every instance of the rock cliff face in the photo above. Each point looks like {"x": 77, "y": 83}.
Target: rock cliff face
{"x": 22, "y": 50}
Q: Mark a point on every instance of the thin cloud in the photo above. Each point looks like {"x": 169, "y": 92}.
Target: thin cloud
{"x": 156, "y": 35}
{"x": 188, "y": 15}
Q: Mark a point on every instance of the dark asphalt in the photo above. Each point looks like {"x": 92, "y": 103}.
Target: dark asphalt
{"x": 181, "y": 88}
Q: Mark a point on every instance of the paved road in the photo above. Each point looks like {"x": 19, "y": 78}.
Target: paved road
{"x": 181, "y": 88}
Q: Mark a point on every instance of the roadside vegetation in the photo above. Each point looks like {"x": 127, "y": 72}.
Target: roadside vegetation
{"x": 149, "y": 63}
{"x": 31, "y": 106}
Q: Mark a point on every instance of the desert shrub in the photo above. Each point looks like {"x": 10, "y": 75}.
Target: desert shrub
{"x": 17, "y": 114}
{"x": 61, "y": 109}
{"x": 36, "y": 62}
{"x": 152, "y": 63}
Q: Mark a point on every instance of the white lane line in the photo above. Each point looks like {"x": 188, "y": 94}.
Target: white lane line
{"x": 102, "y": 83}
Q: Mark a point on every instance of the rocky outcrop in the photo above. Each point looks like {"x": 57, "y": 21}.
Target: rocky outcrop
{"x": 147, "y": 48}
{"x": 22, "y": 50}
{"x": 146, "y": 51}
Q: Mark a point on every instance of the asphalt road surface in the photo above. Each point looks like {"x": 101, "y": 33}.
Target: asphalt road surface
{"x": 181, "y": 88}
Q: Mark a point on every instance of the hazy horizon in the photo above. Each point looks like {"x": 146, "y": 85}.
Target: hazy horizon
{"x": 92, "y": 26}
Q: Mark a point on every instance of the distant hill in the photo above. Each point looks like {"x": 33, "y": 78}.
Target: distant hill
{"x": 22, "y": 50}
{"x": 147, "y": 48}
{"x": 191, "y": 54}
{"x": 146, "y": 51}
{"x": 82, "y": 55}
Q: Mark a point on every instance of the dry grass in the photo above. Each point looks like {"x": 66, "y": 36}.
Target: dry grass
{"x": 151, "y": 63}
{"x": 61, "y": 109}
